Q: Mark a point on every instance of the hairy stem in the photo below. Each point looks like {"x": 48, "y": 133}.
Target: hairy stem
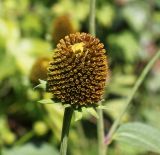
{"x": 65, "y": 130}
{"x": 131, "y": 95}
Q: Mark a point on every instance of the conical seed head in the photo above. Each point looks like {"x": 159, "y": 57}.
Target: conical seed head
{"x": 62, "y": 27}
{"x": 78, "y": 71}
{"x": 39, "y": 70}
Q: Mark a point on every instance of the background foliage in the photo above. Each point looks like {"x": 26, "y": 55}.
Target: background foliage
{"x": 130, "y": 30}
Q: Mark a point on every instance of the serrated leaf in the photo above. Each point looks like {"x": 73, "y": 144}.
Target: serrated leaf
{"x": 93, "y": 112}
{"x": 139, "y": 135}
{"x": 46, "y": 101}
{"x": 41, "y": 85}
{"x": 78, "y": 115}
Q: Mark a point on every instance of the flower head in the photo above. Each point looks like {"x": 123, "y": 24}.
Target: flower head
{"x": 39, "y": 70}
{"x": 62, "y": 27}
{"x": 78, "y": 71}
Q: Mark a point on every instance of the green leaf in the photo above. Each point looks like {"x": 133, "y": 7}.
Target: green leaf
{"x": 46, "y": 101}
{"x": 92, "y": 111}
{"x": 109, "y": 10}
{"x": 136, "y": 19}
{"x": 139, "y": 135}
{"x": 126, "y": 52}
{"x": 78, "y": 115}
{"x": 30, "y": 149}
{"x": 115, "y": 106}
{"x": 41, "y": 85}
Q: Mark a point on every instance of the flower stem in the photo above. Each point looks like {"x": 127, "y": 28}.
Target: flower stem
{"x": 100, "y": 131}
{"x": 1, "y": 145}
{"x": 92, "y": 17}
{"x": 24, "y": 138}
{"x": 131, "y": 95}
{"x": 65, "y": 130}
{"x": 100, "y": 125}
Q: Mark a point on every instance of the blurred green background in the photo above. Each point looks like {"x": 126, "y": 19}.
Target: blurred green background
{"x": 30, "y": 30}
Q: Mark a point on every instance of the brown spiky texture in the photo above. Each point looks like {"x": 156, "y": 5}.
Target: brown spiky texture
{"x": 39, "y": 70}
{"x": 78, "y": 71}
{"x": 62, "y": 27}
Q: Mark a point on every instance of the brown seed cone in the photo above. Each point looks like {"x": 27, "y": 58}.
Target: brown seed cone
{"x": 39, "y": 70}
{"x": 78, "y": 71}
{"x": 62, "y": 27}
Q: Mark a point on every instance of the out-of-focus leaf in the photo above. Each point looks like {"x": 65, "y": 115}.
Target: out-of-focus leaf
{"x": 127, "y": 48}
{"x": 78, "y": 10}
{"x": 31, "y": 24}
{"x": 126, "y": 149}
{"x": 139, "y": 135}
{"x": 30, "y": 149}
{"x": 27, "y": 50}
{"x": 6, "y": 135}
{"x": 121, "y": 84}
{"x": 115, "y": 107}
{"x": 9, "y": 33}
{"x": 156, "y": 23}
{"x": 55, "y": 115}
{"x": 124, "y": 80}
{"x": 153, "y": 83}
{"x": 119, "y": 90}
{"x": 10, "y": 6}
{"x": 150, "y": 114}
{"x": 7, "y": 66}
{"x": 136, "y": 14}
{"x": 109, "y": 12}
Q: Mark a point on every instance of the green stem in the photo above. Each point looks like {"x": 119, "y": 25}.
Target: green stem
{"x": 92, "y": 17}
{"x": 65, "y": 130}
{"x": 0, "y": 147}
{"x": 130, "y": 97}
{"x": 100, "y": 130}
{"x": 24, "y": 138}
{"x": 1, "y": 144}
{"x": 100, "y": 125}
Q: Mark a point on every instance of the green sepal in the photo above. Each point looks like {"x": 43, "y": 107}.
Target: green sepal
{"x": 66, "y": 105}
{"x": 42, "y": 84}
{"x": 77, "y": 115}
{"x": 103, "y": 107}
{"x": 92, "y": 111}
{"x": 46, "y": 101}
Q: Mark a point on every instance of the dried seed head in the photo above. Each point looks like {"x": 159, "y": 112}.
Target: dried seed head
{"x": 39, "y": 70}
{"x": 62, "y": 27}
{"x": 78, "y": 71}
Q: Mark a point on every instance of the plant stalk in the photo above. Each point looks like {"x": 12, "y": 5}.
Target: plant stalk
{"x": 24, "y": 138}
{"x": 65, "y": 130}
{"x": 0, "y": 145}
{"x": 100, "y": 125}
{"x": 131, "y": 95}
{"x": 92, "y": 17}
{"x": 100, "y": 131}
